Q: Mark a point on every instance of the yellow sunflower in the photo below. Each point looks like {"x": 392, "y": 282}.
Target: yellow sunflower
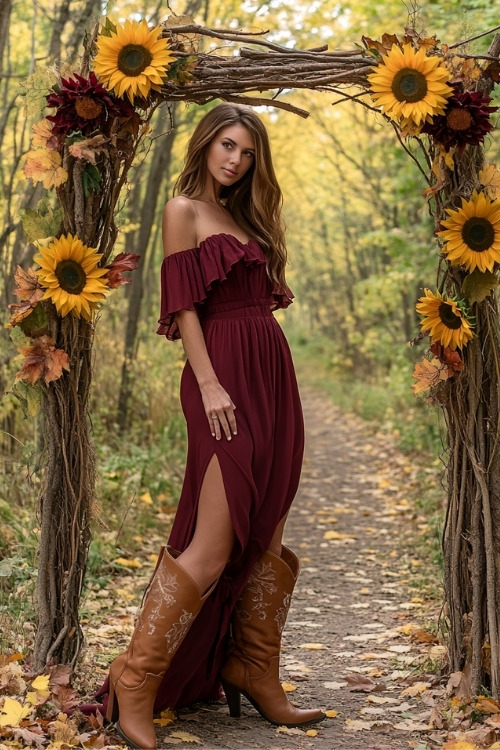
{"x": 71, "y": 276}
{"x": 133, "y": 60}
{"x": 444, "y": 320}
{"x": 472, "y": 234}
{"x": 410, "y": 86}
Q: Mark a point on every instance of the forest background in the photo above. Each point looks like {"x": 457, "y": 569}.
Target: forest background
{"x": 361, "y": 249}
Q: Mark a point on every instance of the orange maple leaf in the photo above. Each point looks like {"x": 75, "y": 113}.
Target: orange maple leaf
{"x": 45, "y": 167}
{"x": 43, "y": 136}
{"x": 27, "y": 283}
{"x": 428, "y": 374}
{"x": 42, "y": 359}
{"x": 29, "y": 292}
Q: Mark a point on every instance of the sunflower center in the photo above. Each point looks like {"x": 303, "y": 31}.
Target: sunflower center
{"x": 71, "y": 276}
{"x": 448, "y": 317}
{"x": 88, "y": 108}
{"x": 459, "y": 119}
{"x": 478, "y": 233}
{"x": 409, "y": 85}
{"x": 133, "y": 59}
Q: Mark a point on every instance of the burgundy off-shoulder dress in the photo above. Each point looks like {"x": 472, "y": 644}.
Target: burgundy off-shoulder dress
{"x": 226, "y": 282}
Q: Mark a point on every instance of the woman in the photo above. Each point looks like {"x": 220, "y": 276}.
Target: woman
{"x": 225, "y": 568}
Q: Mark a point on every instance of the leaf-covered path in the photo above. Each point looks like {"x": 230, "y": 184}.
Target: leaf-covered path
{"x": 354, "y": 641}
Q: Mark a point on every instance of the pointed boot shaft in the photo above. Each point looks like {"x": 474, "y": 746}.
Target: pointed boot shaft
{"x": 252, "y": 667}
{"x": 170, "y": 605}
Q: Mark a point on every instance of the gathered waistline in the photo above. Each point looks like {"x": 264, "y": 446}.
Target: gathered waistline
{"x": 245, "y": 308}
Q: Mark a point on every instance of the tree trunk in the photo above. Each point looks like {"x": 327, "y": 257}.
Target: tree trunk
{"x": 471, "y": 541}
{"x": 65, "y": 500}
{"x": 159, "y": 169}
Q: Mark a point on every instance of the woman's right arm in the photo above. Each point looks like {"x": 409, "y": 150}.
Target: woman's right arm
{"x": 179, "y": 233}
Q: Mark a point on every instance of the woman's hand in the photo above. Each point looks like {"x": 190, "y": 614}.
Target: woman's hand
{"x": 219, "y": 410}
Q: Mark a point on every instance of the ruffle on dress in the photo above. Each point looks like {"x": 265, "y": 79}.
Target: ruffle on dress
{"x": 188, "y": 276}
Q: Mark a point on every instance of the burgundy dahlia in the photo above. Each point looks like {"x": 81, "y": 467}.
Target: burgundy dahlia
{"x": 466, "y": 120}
{"x": 85, "y": 105}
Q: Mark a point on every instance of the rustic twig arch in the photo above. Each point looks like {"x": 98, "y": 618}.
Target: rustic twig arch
{"x": 468, "y": 390}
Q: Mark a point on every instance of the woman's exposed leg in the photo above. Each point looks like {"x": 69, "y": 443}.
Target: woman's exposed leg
{"x": 210, "y": 549}
{"x": 275, "y": 543}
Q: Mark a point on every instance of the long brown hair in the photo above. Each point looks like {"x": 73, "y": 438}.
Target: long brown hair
{"x": 255, "y": 201}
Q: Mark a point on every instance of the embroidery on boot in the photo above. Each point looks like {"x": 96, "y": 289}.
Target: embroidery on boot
{"x": 164, "y": 586}
{"x": 260, "y": 581}
{"x": 282, "y": 613}
{"x": 178, "y": 630}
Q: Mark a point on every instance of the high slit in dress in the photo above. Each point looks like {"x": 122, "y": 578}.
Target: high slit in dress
{"x": 226, "y": 282}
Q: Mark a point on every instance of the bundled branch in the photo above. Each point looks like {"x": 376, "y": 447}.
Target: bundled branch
{"x": 265, "y": 66}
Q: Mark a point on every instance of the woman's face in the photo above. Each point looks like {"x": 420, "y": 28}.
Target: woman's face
{"x": 230, "y": 154}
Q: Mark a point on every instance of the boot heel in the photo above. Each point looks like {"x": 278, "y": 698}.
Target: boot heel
{"x": 112, "y": 711}
{"x": 233, "y": 696}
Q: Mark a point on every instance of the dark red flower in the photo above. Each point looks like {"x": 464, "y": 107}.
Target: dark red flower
{"x": 466, "y": 120}
{"x": 85, "y": 105}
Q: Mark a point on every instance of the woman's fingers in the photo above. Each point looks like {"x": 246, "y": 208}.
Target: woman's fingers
{"x": 223, "y": 422}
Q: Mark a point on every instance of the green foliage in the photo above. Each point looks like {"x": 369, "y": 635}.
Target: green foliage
{"x": 43, "y": 222}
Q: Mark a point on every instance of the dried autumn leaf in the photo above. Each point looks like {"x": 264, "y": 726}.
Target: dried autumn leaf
{"x": 45, "y": 167}
{"x": 312, "y": 646}
{"x": 43, "y": 136}
{"x": 288, "y": 687}
{"x": 29, "y": 292}
{"x": 459, "y": 745}
{"x": 34, "y": 735}
{"x": 408, "y": 725}
{"x": 361, "y": 683}
{"x": 166, "y": 717}
{"x": 487, "y": 705}
{"x": 88, "y": 149}
{"x": 186, "y": 737}
{"x": 42, "y": 360}
{"x": 122, "y": 262}
{"x": 489, "y": 178}
{"x": 27, "y": 284}
{"x": 331, "y": 714}
{"x": 12, "y": 712}
{"x": 416, "y": 689}
{"x": 63, "y": 730}
{"x": 428, "y": 374}
{"x": 337, "y": 535}
{"x": 135, "y": 563}
{"x": 41, "y": 685}
{"x": 312, "y": 733}
{"x": 478, "y": 285}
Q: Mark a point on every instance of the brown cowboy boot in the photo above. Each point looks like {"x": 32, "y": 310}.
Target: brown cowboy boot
{"x": 252, "y": 667}
{"x": 170, "y": 605}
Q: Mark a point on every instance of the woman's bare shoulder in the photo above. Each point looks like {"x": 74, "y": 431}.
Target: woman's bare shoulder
{"x": 179, "y": 225}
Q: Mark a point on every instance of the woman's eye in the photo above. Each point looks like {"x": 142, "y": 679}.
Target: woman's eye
{"x": 226, "y": 144}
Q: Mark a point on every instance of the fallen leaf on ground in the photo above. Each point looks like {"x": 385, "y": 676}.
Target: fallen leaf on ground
{"x": 416, "y": 689}
{"x": 12, "y": 712}
{"x": 186, "y": 737}
{"x": 288, "y": 687}
{"x": 408, "y": 725}
{"x": 361, "y": 683}
{"x": 487, "y": 705}
{"x": 331, "y": 714}
{"x": 290, "y": 730}
{"x": 312, "y": 646}
{"x": 166, "y": 717}
{"x": 334, "y": 685}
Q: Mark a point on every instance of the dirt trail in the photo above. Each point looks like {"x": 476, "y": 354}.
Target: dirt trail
{"x": 355, "y": 606}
